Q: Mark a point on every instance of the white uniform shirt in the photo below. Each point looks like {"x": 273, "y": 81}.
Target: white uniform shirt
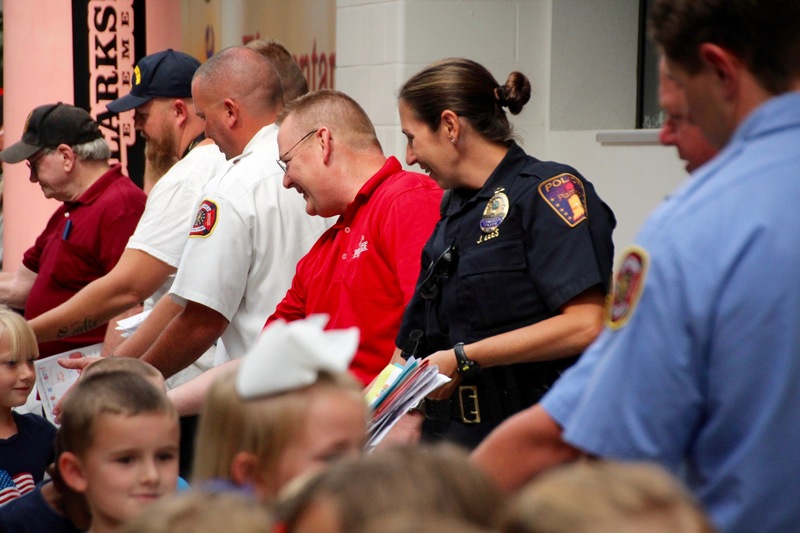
{"x": 245, "y": 243}
{"x": 163, "y": 230}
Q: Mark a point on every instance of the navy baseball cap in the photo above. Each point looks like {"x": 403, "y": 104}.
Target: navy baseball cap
{"x": 166, "y": 74}
{"x": 49, "y": 125}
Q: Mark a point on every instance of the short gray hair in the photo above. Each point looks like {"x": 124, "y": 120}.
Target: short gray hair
{"x": 94, "y": 150}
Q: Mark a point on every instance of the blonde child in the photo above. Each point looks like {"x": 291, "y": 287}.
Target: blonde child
{"x": 289, "y": 410}
{"x": 118, "y": 445}
{"x": 605, "y": 497}
{"x": 26, "y": 441}
{"x": 426, "y": 482}
{"x": 203, "y": 512}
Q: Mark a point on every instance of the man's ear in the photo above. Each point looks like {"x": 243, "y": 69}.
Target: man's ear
{"x": 723, "y": 65}
{"x": 64, "y": 151}
{"x": 72, "y": 472}
{"x": 181, "y": 111}
{"x": 231, "y": 111}
{"x": 323, "y": 138}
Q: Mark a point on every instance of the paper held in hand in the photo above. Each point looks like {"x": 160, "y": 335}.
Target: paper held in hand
{"x": 53, "y": 380}
{"x": 396, "y": 390}
{"x": 128, "y": 326}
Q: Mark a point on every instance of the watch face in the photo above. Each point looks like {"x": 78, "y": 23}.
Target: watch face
{"x": 468, "y": 369}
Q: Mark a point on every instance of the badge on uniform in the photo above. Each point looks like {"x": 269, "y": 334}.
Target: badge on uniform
{"x": 566, "y": 195}
{"x": 494, "y": 215}
{"x": 205, "y": 220}
{"x": 627, "y": 287}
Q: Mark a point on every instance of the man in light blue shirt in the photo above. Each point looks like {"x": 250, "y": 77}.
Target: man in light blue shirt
{"x": 699, "y": 368}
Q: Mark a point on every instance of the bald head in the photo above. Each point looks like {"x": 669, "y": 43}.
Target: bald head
{"x": 237, "y": 92}
{"x": 676, "y": 131}
{"x": 245, "y": 75}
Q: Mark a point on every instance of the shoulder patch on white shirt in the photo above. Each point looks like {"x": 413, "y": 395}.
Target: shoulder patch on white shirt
{"x": 205, "y": 220}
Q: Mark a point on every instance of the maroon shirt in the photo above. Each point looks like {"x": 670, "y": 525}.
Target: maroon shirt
{"x": 67, "y": 259}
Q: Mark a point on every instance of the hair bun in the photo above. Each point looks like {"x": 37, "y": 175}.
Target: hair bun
{"x": 500, "y": 96}
{"x": 515, "y": 93}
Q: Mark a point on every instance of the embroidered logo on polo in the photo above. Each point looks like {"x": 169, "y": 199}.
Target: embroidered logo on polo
{"x": 627, "y": 287}
{"x": 362, "y": 247}
{"x": 493, "y": 215}
{"x": 566, "y": 195}
{"x": 205, "y": 220}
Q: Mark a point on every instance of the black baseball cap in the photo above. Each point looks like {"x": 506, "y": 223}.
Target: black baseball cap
{"x": 49, "y": 125}
{"x": 166, "y": 74}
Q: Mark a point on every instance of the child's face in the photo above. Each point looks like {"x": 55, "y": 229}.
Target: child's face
{"x": 132, "y": 462}
{"x": 335, "y": 427}
{"x": 16, "y": 376}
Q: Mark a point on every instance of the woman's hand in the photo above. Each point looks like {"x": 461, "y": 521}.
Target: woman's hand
{"x": 446, "y": 361}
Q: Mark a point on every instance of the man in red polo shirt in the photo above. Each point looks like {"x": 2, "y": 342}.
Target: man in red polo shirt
{"x": 362, "y": 271}
{"x": 85, "y": 237}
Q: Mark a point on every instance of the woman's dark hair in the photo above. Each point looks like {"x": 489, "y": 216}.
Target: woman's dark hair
{"x": 471, "y": 92}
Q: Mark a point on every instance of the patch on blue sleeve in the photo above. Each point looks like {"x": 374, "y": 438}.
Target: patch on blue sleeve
{"x": 628, "y": 287}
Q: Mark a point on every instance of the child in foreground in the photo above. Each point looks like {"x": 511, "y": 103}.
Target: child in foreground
{"x": 52, "y": 506}
{"x": 26, "y": 441}
{"x": 424, "y": 481}
{"x": 203, "y": 512}
{"x": 290, "y": 409}
{"x": 605, "y": 497}
{"x": 118, "y": 445}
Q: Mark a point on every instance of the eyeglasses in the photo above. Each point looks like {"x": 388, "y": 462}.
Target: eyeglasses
{"x": 282, "y": 159}
{"x": 440, "y": 269}
{"x": 33, "y": 161}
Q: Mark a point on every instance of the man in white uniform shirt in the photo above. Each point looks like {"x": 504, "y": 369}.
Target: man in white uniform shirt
{"x": 249, "y": 232}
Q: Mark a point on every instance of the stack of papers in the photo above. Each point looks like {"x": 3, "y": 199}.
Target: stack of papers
{"x": 53, "y": 380}
{"x": 129, "y": 325}
{"x": 396, "y": 390}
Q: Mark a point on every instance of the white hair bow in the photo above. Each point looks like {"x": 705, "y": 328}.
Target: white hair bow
{"x": 289, "y": 356}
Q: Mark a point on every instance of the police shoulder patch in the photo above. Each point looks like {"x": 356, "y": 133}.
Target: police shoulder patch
{"x": 628, "y": 286}
{"x": 566, "y": 195}
{"x": 205, "y": 220}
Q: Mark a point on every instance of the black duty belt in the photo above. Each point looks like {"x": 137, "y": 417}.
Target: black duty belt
{"x": 497, "y": 392}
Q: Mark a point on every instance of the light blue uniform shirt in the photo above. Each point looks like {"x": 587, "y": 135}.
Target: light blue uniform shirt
{"x": 706, "y": 374}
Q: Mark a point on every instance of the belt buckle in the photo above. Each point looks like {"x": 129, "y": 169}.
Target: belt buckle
{"x": 470, "y": 394}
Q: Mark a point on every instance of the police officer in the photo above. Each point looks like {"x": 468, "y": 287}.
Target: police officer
{"x": 515, "y": 273}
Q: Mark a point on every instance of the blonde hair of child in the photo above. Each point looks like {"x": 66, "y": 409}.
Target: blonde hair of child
{"x": 264, "y": 426}
{"x": 21, "y": 339}
{"x": 202, "y": 512}
{"x": 116, "y": 393}
{"x": 605, "y": 497}
{"x": 426, "y": 480}
{"x": 124, "y": 364}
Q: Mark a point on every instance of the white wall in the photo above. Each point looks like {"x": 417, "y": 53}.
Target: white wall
{"x": 580, "y": 56}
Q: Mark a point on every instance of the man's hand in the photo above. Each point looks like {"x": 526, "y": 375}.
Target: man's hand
{"x": 75, "y": 361}
{"x": 407, "y": 430}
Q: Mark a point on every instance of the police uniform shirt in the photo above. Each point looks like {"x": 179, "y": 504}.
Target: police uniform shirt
{"x": 540, "y": 256}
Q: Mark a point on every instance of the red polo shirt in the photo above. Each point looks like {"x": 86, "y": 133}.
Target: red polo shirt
{"x": 66, "y": 260}
{"x": 363, "y": 270}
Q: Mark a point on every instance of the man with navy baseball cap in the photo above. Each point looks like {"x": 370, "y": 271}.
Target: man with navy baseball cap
{"x": 166, "y": 74}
